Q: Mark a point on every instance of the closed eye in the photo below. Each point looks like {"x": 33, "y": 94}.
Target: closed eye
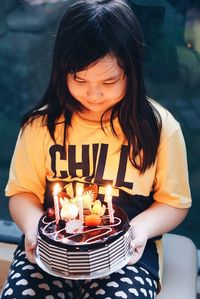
{"x": 109, "y": 83}
{"x": 79, "y": 81}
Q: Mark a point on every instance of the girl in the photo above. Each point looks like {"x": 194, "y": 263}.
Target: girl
{"x": 96, "y": 125}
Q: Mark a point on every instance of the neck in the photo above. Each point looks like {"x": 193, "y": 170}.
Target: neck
{"x": 94, "y": 116}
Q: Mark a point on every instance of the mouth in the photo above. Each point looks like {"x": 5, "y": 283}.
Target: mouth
{"x": 96, "y": 103}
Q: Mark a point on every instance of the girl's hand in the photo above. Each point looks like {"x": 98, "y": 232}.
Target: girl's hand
{"x": 30, "y": 246}
{"x": 27, "y": 221}
{"x": 138, "y": 243}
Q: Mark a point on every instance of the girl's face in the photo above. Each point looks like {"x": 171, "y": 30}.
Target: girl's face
{"x": 100, "y": 86}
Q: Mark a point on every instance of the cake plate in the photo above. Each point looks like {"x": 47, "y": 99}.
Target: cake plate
{"x": 78, "y": 276}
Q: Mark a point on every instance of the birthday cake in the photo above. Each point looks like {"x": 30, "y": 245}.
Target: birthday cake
{"x": 83, "y": 244}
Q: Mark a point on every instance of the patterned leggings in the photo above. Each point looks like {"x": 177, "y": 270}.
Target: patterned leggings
{"x": 26, "y": 280}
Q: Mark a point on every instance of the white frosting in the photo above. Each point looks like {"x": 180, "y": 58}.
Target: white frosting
{"x": 56, "y": 233}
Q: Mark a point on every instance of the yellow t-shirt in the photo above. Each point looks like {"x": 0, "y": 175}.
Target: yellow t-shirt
{"x": 94, "y": 156}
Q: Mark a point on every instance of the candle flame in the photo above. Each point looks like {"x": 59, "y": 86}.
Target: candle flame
{"x": 56, "y": 189}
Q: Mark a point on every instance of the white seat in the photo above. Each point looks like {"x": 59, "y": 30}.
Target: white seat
{"x": 180, "y": 268}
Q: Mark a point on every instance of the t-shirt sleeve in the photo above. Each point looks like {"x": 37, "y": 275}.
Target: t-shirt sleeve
{"x": 172, "y": 183}
{"x": 27, "y": 170}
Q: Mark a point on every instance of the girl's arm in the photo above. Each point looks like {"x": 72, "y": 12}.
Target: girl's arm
{"x": 159, "y": 218}
{"x": 26, "y": 210}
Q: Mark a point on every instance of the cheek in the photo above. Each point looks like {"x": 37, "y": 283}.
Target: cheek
{"x": 120, "y": 91}
{"x": 72, "y": 89}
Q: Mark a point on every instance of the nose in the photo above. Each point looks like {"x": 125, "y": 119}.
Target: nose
{"x": 94, "y": 93}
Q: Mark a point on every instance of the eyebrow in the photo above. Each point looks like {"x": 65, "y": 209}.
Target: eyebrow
{"x": 116, "y": 77}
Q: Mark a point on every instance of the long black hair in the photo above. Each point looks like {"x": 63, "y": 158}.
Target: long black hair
{"x": 88, "y": 31}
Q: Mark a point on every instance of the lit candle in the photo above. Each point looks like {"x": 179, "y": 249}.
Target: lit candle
{"x": 80, "y": 203}
{"x": 56, "y": 202}
{"x": 109, "y": 201}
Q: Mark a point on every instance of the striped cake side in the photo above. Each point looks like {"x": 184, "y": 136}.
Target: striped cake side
{"x": 70, "y": 262}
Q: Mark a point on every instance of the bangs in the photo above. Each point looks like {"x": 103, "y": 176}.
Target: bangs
{"x": 89, "y": 49}
{"x": 80, "y": 43}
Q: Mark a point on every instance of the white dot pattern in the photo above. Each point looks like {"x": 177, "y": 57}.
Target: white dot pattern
{"x": 27, "y": 280}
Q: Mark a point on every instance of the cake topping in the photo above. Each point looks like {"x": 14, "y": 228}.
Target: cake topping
{"x": 98, "y": 208}
{"x": 92, "y": 189}
{"x": 69, "y": 211}
{"x": 92, "y": 220}
{"x": 74, "y": 227}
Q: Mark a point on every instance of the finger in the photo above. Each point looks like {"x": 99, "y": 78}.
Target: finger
{"x": 30, "y": 256}
{"x": 134, "y": 254}
{"x": 30, "y": 242}
{"x": 134, "y": 258}
{"x": 30, "y": 245}
{"x": 137, "y": 242}
{"x": 137, "y": 249}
